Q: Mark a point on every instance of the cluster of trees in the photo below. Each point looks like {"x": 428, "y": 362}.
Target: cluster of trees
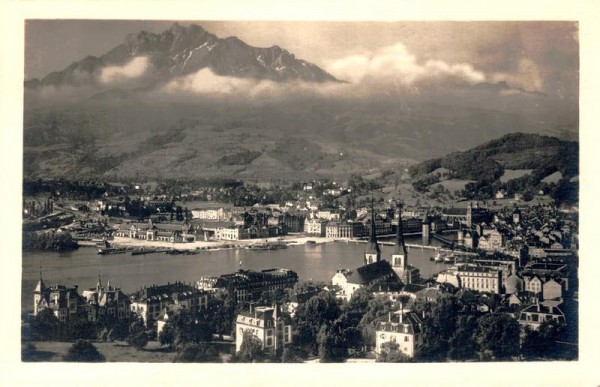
{"x": 331, "y": 329}
{"x": 46, "y": 327}
{"x": 242, "y": 157}
{"x": 486, "y": 164}
{"x": 452, "y": 332}
{"x": 68, "y": 189}
{"x": 362, "y": 186}
{"x": 48, "y": 240}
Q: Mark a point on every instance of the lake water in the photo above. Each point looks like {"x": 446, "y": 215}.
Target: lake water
{"x": 81, "y": 267}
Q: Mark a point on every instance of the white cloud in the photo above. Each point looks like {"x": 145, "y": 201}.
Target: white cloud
{"x": 133, "y": 69}
{"x": 386, "y": 71}
{"x": 397, "y": 65}
{"x": 205, "y": 82}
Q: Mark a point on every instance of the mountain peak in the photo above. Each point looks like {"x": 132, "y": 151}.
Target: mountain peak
{"x": 182, "y": 50}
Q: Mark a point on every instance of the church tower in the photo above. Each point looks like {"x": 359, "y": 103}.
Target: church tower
{"x": 400, "y": 254}
{"x": 373, "y": 254}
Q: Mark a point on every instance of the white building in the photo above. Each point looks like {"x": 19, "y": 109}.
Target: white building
{"x": 227, "y": 234}
{"x": 314, "y": 227}
{"x": 266, "y": 324}
{"x": 481, "y": 279}
{"x": 401, "y": 328}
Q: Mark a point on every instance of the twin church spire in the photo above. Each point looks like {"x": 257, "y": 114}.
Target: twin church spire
{"x": 400, "y": 254}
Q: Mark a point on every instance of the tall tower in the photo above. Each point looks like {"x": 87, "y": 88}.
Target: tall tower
{"x": 373, "y": 254}
{"x": 470, "y": 215}
{"x": 38, "y": 293}
{"x": 400, "y": 254}
{"x": 426, "y": 227}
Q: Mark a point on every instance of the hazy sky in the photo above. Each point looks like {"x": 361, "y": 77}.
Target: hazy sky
{"x": 535, "y": 56}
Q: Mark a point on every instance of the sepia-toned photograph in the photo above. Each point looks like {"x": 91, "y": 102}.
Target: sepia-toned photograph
{"x": 244, "y": 191}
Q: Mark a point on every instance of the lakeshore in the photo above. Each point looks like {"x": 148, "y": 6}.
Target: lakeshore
{"x": 290, "y": 240}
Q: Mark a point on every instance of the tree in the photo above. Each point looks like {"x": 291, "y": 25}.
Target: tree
{"x": 390, "y": 353}
{"x": 83, "y": 351}
{"x": 438, "y": 328}
{"x": 45, "y": 325}
{"x": 137, "y": 334}
{"x": 251, "y": 350}
{"x": 222, "y": 310}
{"x": 542, "y": 343}
{"x": 167, "y": 335}
{"x": 332, "y": 346}
{"x": 462, "y": 343}
{"x": 498, "y": 336}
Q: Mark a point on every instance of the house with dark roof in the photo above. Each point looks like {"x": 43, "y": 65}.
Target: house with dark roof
{"x": 534, "y": 315}
{"x": 95, "y": 304}
{"x": 402, "y": 329}
{"x": 65, "y": 302}
{"x": 150, "y": 302}
{"x": 249, "y": 285}
{"x": 265, "y": 323}
{"x": 376, "y": 274}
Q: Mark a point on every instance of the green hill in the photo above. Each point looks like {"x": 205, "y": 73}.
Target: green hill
{"x": 486, "y": 164}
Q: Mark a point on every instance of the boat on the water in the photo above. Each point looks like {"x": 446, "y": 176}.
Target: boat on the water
{"x": 311, "y": 242}
{"x": 106, "y": 248}
{"x": 439, "y": 257}
{"x": 111, "y": 250}
{"x": 449, "y": 258}
{"x": 266, "y": 246}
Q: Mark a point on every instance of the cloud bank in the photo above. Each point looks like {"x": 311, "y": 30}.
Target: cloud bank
{"x": 392, "y": 69}
{"x": 133, "y": 69}
{"x": 396, "y": 64}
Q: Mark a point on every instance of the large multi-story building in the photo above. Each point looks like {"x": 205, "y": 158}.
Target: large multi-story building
{"x": 95, "y": 304}
{"x": 343, "y": 230}
{"x": 491, "y": 240}
{"x": 293, "y": 222}
{"x": 106, "y": 302}
{"x": 248, "y": 285}
{"x": 215, "y": 213}
{"x": 166, "y": 232}
{"x": 266, "y": 324}
{"x": 151, "y": 302}
{"x": 481, "y": 279}
{"x": 65, "y": 302}
{"x": 402, "y": 329}
{"x": 314, "y": 227}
